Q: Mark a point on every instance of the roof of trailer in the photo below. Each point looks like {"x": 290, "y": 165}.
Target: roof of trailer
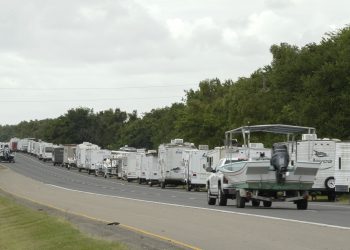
{"x": 273, "y": 128}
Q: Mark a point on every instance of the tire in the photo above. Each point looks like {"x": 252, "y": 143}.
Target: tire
{"x": 331, "y": 196}
{"x": 211, "y": 200}
{"x": 240, "y": 201}
{"x": 140, "y": 181}
{"x": 150, "y": 183}
{"x": 302, "y": 204}
{"x": 255, "y": 203}
{"x": 330, "y": 183}
{"x": 79, "y": 169}
{"x": 222, "y": 199}
{"x": 162, "y": 184}
{"x": 188, "y": 186}
{"x": 267, "y": 203}
{"x": 105, "y": 175}
{"x": 128, "y": 180}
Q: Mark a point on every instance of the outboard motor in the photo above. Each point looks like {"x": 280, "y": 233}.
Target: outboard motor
{"x": 280, "y": 161}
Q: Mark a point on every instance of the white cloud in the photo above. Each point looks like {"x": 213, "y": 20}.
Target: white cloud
{"x": 87, "y": 43}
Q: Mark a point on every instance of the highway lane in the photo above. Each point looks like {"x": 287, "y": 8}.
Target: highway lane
{"x": 324, "y": 213}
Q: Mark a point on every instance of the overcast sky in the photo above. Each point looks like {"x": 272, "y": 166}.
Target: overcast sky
{"x": 140, "y": 54}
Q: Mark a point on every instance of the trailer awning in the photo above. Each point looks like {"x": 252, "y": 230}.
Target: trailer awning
{"x": 273, "y": 128}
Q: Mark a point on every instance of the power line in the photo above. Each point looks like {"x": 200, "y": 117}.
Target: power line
{"x": 96, "y": 88}
{"x": 87, "y": 100}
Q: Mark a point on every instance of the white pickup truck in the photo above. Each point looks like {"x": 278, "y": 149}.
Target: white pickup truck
{"x": 218, "y": 185}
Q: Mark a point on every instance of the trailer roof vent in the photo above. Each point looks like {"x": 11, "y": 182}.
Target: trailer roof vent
{"x": 203, "y": 147}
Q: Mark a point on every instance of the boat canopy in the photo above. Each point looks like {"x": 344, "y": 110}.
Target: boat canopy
{"x": 273, "y": 128}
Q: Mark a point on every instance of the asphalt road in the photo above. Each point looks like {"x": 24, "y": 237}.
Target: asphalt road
{"x": 317, "y": 221}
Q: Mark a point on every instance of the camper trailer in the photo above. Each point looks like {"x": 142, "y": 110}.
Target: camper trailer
{"x": 83, "y": 152}
{"x": 152, "y": 171}
{"x": 69, "y": 155}
{"x": 323, "y": 151}
{"x": 141, "y": 165}
{"x": 95, "y": 158}
{"x": 342, "y": 167}
{"x": 170, "y": 162}
{"x": 46, "y": 151}
{"x": 196, "y": 164}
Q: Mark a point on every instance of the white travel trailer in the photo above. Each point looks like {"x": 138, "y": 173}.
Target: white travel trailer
{"x": 323, "y": 151}
{"x": 132, "y": 166}
{"x": 69, "y": 155}
{"x": 141, "y": 165}
{"x": 36, "y": 149}
{"x": 342, "y": 167}
{"x": 111, "y": 164}
{"x": 30, "y": 148}
{"x": 46, "y": 151}
{"x": 196, "y": 164}
{"x": 170, "y": 162}
{"x": 152, "y": 171}
{"x": 82, "y": 151}
{"x": 95, "y": 158}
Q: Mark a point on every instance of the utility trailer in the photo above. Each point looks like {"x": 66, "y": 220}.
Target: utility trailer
{"x": 196, "y": 164}
{"x": 282, "y": 178}
{"x": 57, "y": 155}
{"x": 172, "y": 168}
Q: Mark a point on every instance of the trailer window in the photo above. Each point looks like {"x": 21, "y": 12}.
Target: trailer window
{"x": 48, "y": 150}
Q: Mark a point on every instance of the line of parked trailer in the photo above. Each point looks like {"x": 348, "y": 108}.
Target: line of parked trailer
{"x": 325, "y": 163}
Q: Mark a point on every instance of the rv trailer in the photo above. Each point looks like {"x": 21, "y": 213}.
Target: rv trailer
{"x": 170, "y": 162}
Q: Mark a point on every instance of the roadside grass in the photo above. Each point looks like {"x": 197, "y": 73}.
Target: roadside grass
{"x": 23, "y": 228}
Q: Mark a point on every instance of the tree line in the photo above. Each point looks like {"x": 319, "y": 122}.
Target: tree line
{"x": 308, "y": 86}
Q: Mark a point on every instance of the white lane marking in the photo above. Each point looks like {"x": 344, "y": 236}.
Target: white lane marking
{"x": 206, "y": 209}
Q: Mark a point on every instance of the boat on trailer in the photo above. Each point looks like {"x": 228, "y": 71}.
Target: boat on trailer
{"x": 280, "y": 178}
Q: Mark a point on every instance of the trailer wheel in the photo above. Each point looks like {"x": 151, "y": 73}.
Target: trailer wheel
{"x": 330, "y": 183}
{"x": 210, "y": 199}
{"x": 267, "y": 203}
{"x": 240, "y": 201}
{"x": 162, "y": 184}
{"x": 331, "y": 196}
{"x": 222, "y": 199}
{"x": 255, "y": 203}
{"x": 302, "y": 204}
{"x": 188, "y": 186}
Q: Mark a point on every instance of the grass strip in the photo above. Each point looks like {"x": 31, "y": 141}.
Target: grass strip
{"x": 23, "y": 228}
